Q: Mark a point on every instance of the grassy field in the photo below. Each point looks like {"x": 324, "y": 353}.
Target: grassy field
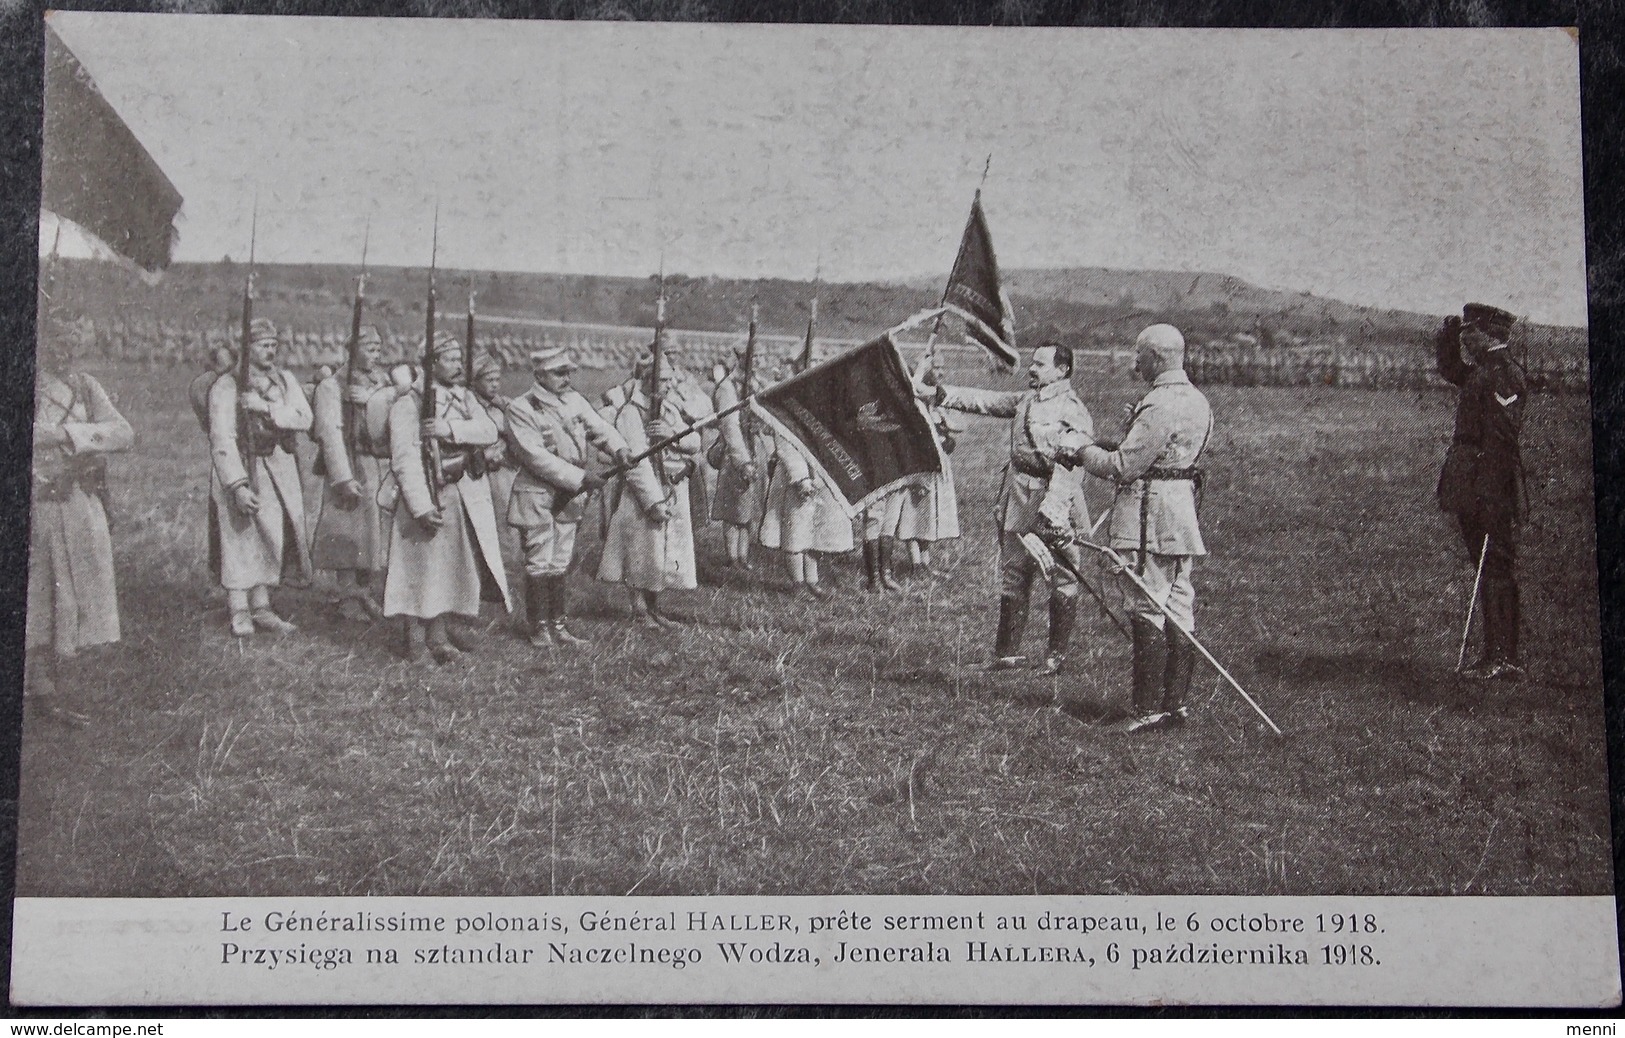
{"x": 782, "y": 746}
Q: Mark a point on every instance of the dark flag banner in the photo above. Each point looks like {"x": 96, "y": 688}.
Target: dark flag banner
{"x": 856, "y": 417}
{"x": 974, "y": 288}
{"x": 95, "y": 172}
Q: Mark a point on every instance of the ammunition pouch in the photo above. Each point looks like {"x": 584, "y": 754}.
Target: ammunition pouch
{"x": 455, "y": 464}
{"x": 88, "y": 473}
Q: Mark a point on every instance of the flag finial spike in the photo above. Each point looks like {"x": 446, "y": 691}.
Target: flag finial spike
{"x": 985, "y": 167}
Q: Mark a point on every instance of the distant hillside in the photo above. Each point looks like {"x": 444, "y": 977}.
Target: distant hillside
{"x": 1084, "y": 306}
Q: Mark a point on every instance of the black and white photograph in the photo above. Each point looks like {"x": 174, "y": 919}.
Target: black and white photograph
{"x": 638, "y": 461}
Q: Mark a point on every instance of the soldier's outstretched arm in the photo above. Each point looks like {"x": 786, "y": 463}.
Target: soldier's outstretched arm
{"x": 1141, "y": 444}
{"x": 991, "y": 402}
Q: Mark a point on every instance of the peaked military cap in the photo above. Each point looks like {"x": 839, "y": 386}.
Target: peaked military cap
{"x": 444, "y": 342}
{"x": 485, "y": 363}
{"x": 554, "y": 358}
{"x": 1491, "y": 320}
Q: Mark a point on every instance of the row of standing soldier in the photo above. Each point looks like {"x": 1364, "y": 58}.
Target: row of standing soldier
{"x": 435, "y": 540}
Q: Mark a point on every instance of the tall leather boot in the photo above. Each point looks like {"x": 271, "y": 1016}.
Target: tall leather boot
{"x": 1150, "y": 665}
{"x": 1176, "y": 681}
{"x": 559, "y": 596}
{"x": 1007, "y": 643}
{"x": 1063, "y": 616}
{"x": 871, "y": 565}
{"x": 537, "y": 613}
{"x": 883, "y": 556}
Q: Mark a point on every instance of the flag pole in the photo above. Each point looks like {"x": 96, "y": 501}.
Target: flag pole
{"x": 931, "y": 341}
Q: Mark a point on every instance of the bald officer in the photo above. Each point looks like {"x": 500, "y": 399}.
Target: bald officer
{"x": 1033, "y": 492}
{"x": 1153, "y": 520}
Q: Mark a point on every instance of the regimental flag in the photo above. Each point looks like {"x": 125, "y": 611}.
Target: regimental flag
{"x": 974, "y": 288}
{"x": 856, "y": 417}
{"x": 95, "y": 172}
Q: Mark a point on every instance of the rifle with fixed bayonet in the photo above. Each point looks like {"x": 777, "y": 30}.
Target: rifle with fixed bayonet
{"x": 246, "y": 426}
{"x": 657, "y": 398}
{"x": 429, "y": 408}
{"x": 349, "y": 411}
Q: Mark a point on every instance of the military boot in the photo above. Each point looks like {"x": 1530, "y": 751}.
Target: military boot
{"x": 1176, "y": 681}
{"x": 1007, "y": 643}
{"x": 559, "y": 597}
{"x": 1150, "y": 666}
{"x": 1063, "y": 616}
{"x": 871, "y": 565}
{"x": 883, "y": 557}
{"x": 537, "y": 613}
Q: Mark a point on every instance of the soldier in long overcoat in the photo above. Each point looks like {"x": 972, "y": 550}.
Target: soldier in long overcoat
{"x": 72, "y": 596}
{"x": 649, "y": 545}
{"x": 1154, "y": 523}
{"x": 741, "y": 485}
{"x": 1032, "y": 492}
{"x": 1482, "y": 481}
{"x": 256, "y": 503}
{"x": 351, "y": 539}
{"x": 442, "y": 555}
{"x": 802, "y": 514}
{"x": 552, "y": 435}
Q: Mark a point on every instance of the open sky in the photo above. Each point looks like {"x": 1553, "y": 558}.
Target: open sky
{"x": 1408, "y": 168}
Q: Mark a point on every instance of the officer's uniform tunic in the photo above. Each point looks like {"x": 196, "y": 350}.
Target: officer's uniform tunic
{"x": 639, "y": 552}
{"x": 1482, "y": 483}
{"x": 354, "y": 538}
{"x": 791, "y": 524}
{"x": 1153, "y": 518}
{"x": 436, "y": 572}
{"x": 1030, "y": 484}
{"x": 258, "y": 550}
{"x": 72, "y": 600}
{"x": 550, "y": 437}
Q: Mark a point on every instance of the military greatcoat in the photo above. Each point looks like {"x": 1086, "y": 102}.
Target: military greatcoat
{"x": 639, "y": 552}
{"x": 350, "y": 538}
{"x": 263, "y": 548}
{"x": 72, "y": 601}
{"x": 434, "y": 572}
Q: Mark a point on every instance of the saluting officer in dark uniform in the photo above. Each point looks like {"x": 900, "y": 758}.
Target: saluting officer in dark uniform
{"x": 1482, "y": 482}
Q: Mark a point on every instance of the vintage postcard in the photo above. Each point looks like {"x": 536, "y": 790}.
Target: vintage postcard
{"x": 604, "y": 512}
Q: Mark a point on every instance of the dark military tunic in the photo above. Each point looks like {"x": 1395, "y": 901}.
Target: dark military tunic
{"x": 1482, "y": 482}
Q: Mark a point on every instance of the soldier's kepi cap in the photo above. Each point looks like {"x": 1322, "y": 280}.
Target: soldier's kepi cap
{"x": 262, "y": 330}
{"x": 554, "y": 358}
{"x": 1491, "y": 320}
{"x": 485, "y": 364}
